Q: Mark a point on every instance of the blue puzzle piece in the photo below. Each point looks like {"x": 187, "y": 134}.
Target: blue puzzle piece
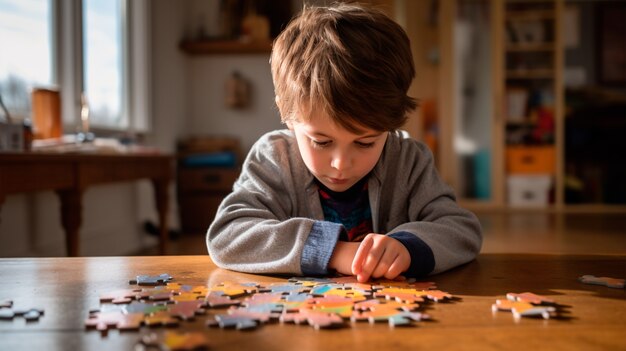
{"x": 161, "y": 279}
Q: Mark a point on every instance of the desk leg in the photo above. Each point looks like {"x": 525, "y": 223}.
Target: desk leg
{"x": 162, "y": 203}
{"x": 71, "y": 218}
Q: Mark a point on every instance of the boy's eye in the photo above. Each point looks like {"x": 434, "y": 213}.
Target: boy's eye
{"x": 364, "y": 145}
{"x": 320, "y": 144}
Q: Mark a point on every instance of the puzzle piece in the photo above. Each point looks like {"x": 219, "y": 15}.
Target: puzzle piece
{"x": 406, "y": 295}
{"x": 412, "y": 295}
{"x": 523, "y": 309}
{"x": 316, "y": 319}
{"x": 142, "y": 307}
{"x": 241, "y": 318}
{"x": 160, "y": 319}
{"x": 395, "y": 313}
{"x": 530, "y": 298}
{"x": 615, "y": 283}
{"x": 216, "y": 300}
{"x": 103, "y": 321}
{"x": 176, "y": 341}
{"x": 161, "y": 279}
{"x": 186, "y": 310}
{"x": 30, "y": 315}
{"x": 121, "y": 296}
{"x": 338, "y": 290}
{"x": 264, "y": 302}
{"x": 238, "y": 322}
{"x": 341, "y": 306}
{"x": 285, "y": 288}
{"x": 235, "y": 289}
{"x": 6, "y": 303}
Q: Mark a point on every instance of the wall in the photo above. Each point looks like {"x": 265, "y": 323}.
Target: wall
{"x": 30, "y": 224}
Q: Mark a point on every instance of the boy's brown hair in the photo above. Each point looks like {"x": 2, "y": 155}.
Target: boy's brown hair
{"x": 348, "y": 61}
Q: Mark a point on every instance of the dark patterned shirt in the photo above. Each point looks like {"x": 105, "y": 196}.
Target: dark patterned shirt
{"x": 351, "y": 208}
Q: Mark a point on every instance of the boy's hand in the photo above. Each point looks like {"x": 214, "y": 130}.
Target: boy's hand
{"x": 378, "y": 256}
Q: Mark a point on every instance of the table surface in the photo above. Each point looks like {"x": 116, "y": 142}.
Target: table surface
{"x": 68, "y": 288}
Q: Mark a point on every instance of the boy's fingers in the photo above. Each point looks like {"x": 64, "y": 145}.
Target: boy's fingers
{"x": 373, "y": 259}
{"x": 394, "y": 269}
{"x": 361, "y": 254}
{"x": 384, "y": 264}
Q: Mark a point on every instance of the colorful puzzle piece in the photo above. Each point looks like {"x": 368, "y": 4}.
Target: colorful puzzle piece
{"x": 396, "y": 314}
{"x": 316, "y": 319}
{"x": 615, "y": 283}
{"x": 176, "y": 341}
{"x": 235, "y": 289}
{"x": 103, "y": 321}
{"x": 121, "y": 296}
{"x": 161, "y": 279}
{"x": 530, "y": 298}
{"x": 523, "y": 309}
{"x": 160, "y": 319}
{"x": 186, "y": 310}
{"x": 216, "y": 300}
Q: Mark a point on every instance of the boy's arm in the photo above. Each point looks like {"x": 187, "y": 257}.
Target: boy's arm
{"x": 259, "y": 228}
{"x": 438, "y": 233}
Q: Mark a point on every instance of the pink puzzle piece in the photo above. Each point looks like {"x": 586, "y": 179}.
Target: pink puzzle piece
{"x": 316, "y": 319}
{"x": 103, "y": 321}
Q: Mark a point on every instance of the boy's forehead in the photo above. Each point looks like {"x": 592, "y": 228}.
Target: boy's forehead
{"x": 324, "y": 125}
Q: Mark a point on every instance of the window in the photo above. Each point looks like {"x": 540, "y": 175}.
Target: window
{"x": 103, "y": 61}
{"x": 83, "y": 47}
{"x": 26, "y": 45}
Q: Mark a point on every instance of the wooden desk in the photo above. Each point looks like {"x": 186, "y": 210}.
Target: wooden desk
{"x": 67, "y": 288}
{"x": 70, "y": 174}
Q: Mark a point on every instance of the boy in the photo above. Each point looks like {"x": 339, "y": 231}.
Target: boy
{"x": 342, "y": 190}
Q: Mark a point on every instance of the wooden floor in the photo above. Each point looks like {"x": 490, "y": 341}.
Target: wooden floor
{"x": 523, "y": 232}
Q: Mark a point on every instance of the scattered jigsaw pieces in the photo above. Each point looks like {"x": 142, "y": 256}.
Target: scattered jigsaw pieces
{"x": 615, "y": 283}
{"x": 319, "y": 302}
{"x": 152, "y": 280}
{"x": 176, "y": 341}
{"x": 30, "y": 315}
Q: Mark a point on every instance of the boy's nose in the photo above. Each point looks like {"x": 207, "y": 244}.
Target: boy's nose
{"x": 341, "y": 161}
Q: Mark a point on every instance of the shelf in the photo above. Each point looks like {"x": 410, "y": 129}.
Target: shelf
{"x": 217, "y": 47}
{"x": 530, "y": 74}
{"x": 530, "y": 15}
{"x": 530, "y": 47}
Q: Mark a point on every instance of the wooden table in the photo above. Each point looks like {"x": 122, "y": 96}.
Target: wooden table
{"x": 70, "y": 174}
{"x": 67, "y": 288}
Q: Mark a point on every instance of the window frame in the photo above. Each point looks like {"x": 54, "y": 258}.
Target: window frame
{"x": 68, "y": 71}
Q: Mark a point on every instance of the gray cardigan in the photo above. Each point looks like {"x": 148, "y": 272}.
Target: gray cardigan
{"x": 273, "y": 222}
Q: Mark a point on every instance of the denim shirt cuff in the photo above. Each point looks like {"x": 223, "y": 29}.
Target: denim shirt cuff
{"x": 319, "y": 247}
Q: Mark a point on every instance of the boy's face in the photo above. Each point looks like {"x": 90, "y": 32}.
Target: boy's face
{"x": 336, "y": 157}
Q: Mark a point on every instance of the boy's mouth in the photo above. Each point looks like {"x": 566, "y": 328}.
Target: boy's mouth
{"x": 337, "y": 180}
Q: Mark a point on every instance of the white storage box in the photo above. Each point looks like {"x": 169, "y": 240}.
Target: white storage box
{"x": 529, "y": 190}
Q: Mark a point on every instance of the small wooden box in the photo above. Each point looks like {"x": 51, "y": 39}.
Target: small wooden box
{"x": 530, "y": 160}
